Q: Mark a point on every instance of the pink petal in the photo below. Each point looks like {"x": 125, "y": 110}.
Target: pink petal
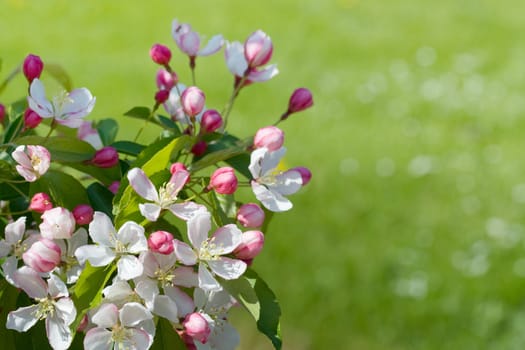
{"x": 31, "y": 282}
{"x": 264, "y": 74}
{"x": 98, "y": 339}
{"x": 142, "y": 184}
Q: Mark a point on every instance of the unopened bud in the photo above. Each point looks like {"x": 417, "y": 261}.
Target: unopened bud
{"x": 258, "y": 49}
{"x": 166, "y": 80}
{"x": 193, "y": 100}
{"x": 223, "y": 181}
{"x": 179, "y": 166}
{"x": 83, "y": 214}
{"x": 250, "y": 215}
{"x": 300, "y": 100}
{"x": 306, "y": 174}
{"x": 43, "y": 256}
{"x": 105, "y": 157}
{"x": 57, "y": 223}
{"x": 251, "y": 246}
{"x": 32, "y": 67}
{"x": 211, "y": 120}
{"x": 160, "y": 54}
{"x": 40, "y": 202}
{"x": 2, "y": 113}
{"x": 199, "y": 148}
{"x": 161, "y": 242}
{"x": 113, "y": 187}
{"x": 31, "y": 119}
{"x": 270, "y": 137}
{"x": 196, "y": 326}
{"x": 162, "y": 96}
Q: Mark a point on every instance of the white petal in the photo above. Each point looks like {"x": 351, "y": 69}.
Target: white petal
{"x": 227, "y": 268}
{"x": 198, "y": 228}
{"x": 271, "y": 160}
{"x": 177, "y": 181}
{"x": 58, "y": 333}
{"x": 5, "y": 248}
{"x": 118, "y": 291}
{"x": 213, "y": 45}
{"x": 185, "y": 277}
{"x": 37, "y": 99}
{"x": 142, "y": 184}
{"x": 150, "y": 263}
{"x": 271, "y": 200}
{"x": 101, "y": 229}
{"x": 78, "y": 239}
{"x": 225, "y": 338}
{"x": 287, "y": 183}
{"x": 256, "y": 158}
{"x": 234, "y": 54}
{"x": 132, "y": 236}
{"x": 98, "y": 339}
{"x": 132, "y": 314}
{"x": 129, "y": 267}
{"x": 14, "y": 231}
{"x": 225, "y": 240}
{"x": 57, "y": 288}
{"x": 163, "y": 306}
{"x": 147, "y": 289}
{"x": 150, "y": 211}
{"x": 82, "y": 104}
{"x": 206, "y": 281}
{"x": 185, "y": 304}
{"x": 22, "y": 319}
{"x": 139, "y": 340}
{"x": 263, "y": 75}
{"x": 66, "y": 310}
{"x": 96, "y": 254}
{"x": 31, "y": 282}
{"x": 184, "y": 253}
{"x": 106, "y": 316}
{"x": 9, "y": 267}
{"x": 187, "y": 210}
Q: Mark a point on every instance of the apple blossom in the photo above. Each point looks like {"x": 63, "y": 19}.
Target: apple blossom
{"x": 223, "y": 181}
{"x": 193, "y": 100}
{"x": 31, "y": 119}
{"x": 43, "y": 255}
{"x": 70, "y": 264}
{"x": 111, "y": 245}
{"x": 162, "y": 96}
{"x": 258, "y": 49}
{"x": 238, "y": 66}
{"x": 177, "y": 166}
{"x": 208, "y": 251}
{"x": 196, "y": 326}
{"x": 306, "y": 174}
{"x": 300, "y": 100}
{"x": 251, "y": 246}
{"x": 211, "y": 120}
{"x": 40, "y": 202}
{"x": 14, "y": 235}
{"x": 83, "y": 214}
{"x": 199, "y": 148}
{"x": 160, "y": 54}
{"x": 90, "y": 135}
{"x": 57, "y": 223}
{"x": 33, "y": 161}
{"x": 161, "y": 242}
{"x": 32, "y": 67}
{"x": 164, "y": 198}
{"x": 166, "y": 80}
{"x": 54, "y": 305}
{"x": 270, "y": 137}
{"x": 269, "y": 185}
{"x": 250, "y": 215}
{"x": 106, "y": 157}
{"x": 67, "y": 109}
{"x": 189, "y": 41}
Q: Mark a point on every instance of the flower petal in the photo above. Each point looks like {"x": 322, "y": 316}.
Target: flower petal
{"x": 150, "y": 211}
{"x": 106, "y": 316}
{"x": 78, "y": 239}
{"x": 177, "y": 181}
{"x": 57, "y": 288}
{"x": 227, "y": 268}
{"x": 37, "y": 100}
{"x": 96, "y": 254}
{"x": 198, "y": 228}
{"x": 132, "y": 236}
{"x": 101, "y": 229}
{"x": 187, "y": 210}
{"x": 186, "y": 277}
{"x": 14, "y": 231}
{"x": 184, "y": 253}
{"x": 142, "y": 185}
{"x": 147, "y": 289}
{"x": 22, "y": 319}
{"x": 288, "y": 182}
{"x": 271, "y": 160}
{"x": 225, "y": 240}
{"x": 118, "y": 291}
{"x": 98, "y": 339}
{"x": 271, "y": 200}
{"x": 139, "y": 340}
{"x": 131, "y": 314}
{"x": 213, "y": 45}
{"x": 58, "y": 333}
{"x": 206, "y": 280}
{"x": 31, "y": 282}
{"x": 66, "y": 310}
{"x": 129, "y": 267}
{"x": 234, "y": 54}
{"x": 81, "y": 103}
{"x": 185, "y": 304}
{"x": 263, "y": 75}
{"x": 163, "y": 306}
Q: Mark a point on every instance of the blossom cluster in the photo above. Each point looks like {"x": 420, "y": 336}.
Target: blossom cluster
{"x": 110, "y": 239}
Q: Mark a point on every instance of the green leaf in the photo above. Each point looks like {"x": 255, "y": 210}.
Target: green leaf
{"x": 166, "y": 338}
{"x": 62, "y": 148}
{"x": 255, "y": 295}
{"x": 138, "y": 112}
{"x": 241, "y": 164}
{"x": 7, "y": 170}
{"x": 100, "y": 198}
{"x": 87, "y": 292}
{"x": 59, "y": 74}
{"x": 8, "y": 297}
{"x": 128, "y": 147}
{"x": 65, "y": 190}
{"x": 104, "y": 175}
{"x": 13, "y": 129}
{"x": 107, "y": 129}
{"x": 224, "y": 208}
{"x": 10, "y": 191}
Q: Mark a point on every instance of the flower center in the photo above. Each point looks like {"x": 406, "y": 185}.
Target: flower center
{"x": 59, "y": 101}
{"x": 164, "y": 277}
{"x": 35, "y": 161}
{"x": 204, "y": 251}
{"x": 167, "y": 195}
{"x": 120, "y": 334}
{"x": 46, "y": 308}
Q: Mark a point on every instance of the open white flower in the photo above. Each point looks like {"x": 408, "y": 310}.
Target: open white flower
{"x": 164, "y": 198}
{"x": 270, "y": 185}
{"x": 189, "y": 41}
{"x": 54, "y": 305}
{"x": 70, "y": 264}
{"x": 208, "y": 250}
{"x": 238, "y": 65}
{"x": 33, "y": 161}
{"x": 111, "y": 245}
{"x": 67, "y": 109}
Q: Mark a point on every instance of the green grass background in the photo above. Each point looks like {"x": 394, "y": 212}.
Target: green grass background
{"x": 410, "y": 235}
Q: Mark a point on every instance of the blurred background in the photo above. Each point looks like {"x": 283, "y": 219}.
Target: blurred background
{"x": 411, "y": 233}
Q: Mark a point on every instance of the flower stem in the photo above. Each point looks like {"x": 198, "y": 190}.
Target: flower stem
{"x": 227, "y": 109}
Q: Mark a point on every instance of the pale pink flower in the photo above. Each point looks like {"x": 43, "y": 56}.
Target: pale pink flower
{"x": 270, "y": 137}
{"x": 189, "y": 41}
{"x": 40, "y": 202}
{"x": 270, "y": 185}
{"x": 67, "y": 109}
{"x": 90, "y": 135}
{"x": 223, "y": 180}
{"x": 238, "y": 66}
{"x": 197, "y": 327}
{"x": 251, "y": 246}
{"x": 111, "y": 244}
{"x": 208, "y": 251}
{"x": 54, "y": 305}
{"x": 43, "y": 256}
{"x": 164, "y": 198}
{"x": 57, "y": 223}
{"x": 258, "y": 49}
{"x": 250, "y": 215}
{"x": 33, "y": 161}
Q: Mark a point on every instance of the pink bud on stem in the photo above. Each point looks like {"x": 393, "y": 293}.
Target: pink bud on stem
{"x": 211, "y": 120}
{"x": 192, "y": 100}
{"x": 2, "y": 113}
{"x": 161, "y": 242}
{"x": 105, "y": 157}
{"x": 270, "y": 137}
{"x": 83, "y": 214}
{"x": 32, "y": 67}
{"x": 40, "y": 202}
{"x": 31, "y": 119}
{"x": 250, "y": 215}
{"x": 300, "y": 100}
{"x": 251, "y": 246}
{"x": 196, "y": 326}
{"x": 160, "y": 54}
{"x": 223, "y": 181}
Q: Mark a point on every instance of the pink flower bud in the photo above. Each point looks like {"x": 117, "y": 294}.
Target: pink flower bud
{"x": 223, "y": 181}
{"x": 250, "y": 215}
{"x": 300, "y": 100}
{"x": 179, "y": 166}
{"x": 187, "y": 340}
{"x": 166, "y": 80}
{"x": 162, "y": 96}
{"x": 160, "y": 54}
{"x": 306, "y": 174}
{"x": 161, "y": 242}
{"x": 57, "y": 223}
{"x": 199, "y": 148}
{"x": 83, "y": 214}
{"x": 258, "y": 49}
{"x": 114, "y": 187}
{"x": 40, "y": 202}
{"x": 211, "y": 120}
{"x": 2, "y": 113}
{"x": 251, "y": 246}
{"x": 105, "y": 157}
{"x": 270, "y": 137}
{"x": 43, "y": 256}
{"x": 197, "y": 327}
{"x": 31, "y": 119}
{"x": 83, "y": 324}
{"x": 32, "y": 67}
{"x": 193, "y": 101}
